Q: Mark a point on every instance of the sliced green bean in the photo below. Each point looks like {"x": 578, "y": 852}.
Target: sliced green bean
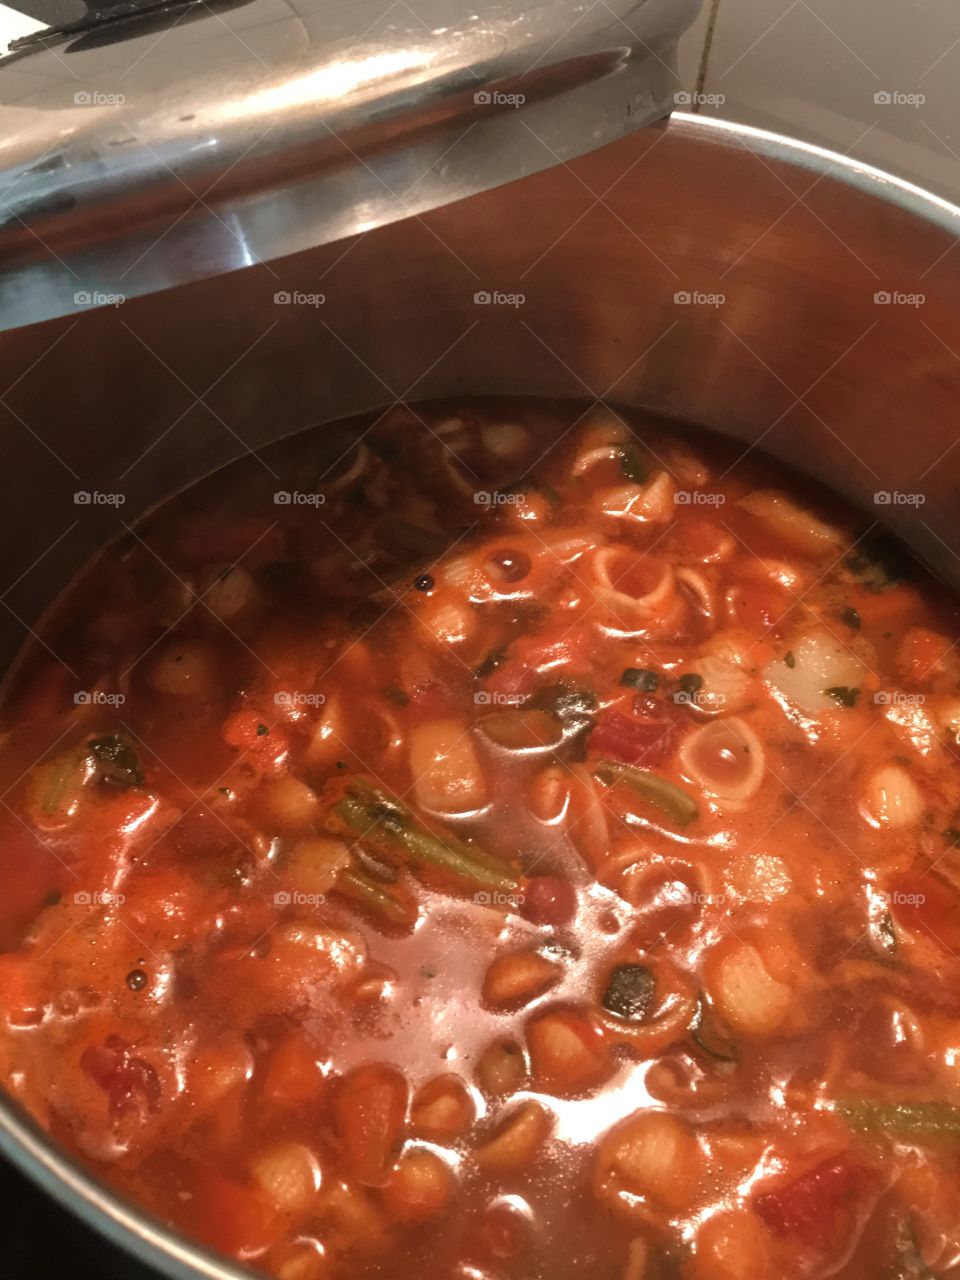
{"x": 908, "y": 1119}
{"x": 666, "y": 795}
{"x": 376, "y": 897}
{"x": 378, "y": 817}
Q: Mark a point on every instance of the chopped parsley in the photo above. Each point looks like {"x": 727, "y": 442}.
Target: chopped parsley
{"x": 117, "y": 762}
{"x": 640, "y": 678}
{"x": 849, "y": 617}
{"x": 690, "y": 683}
{"x": 631, "y": 466}
{"x": 789, "y": 660}
{"x": 843, "y": 695}
{"x": 261, "y": 730}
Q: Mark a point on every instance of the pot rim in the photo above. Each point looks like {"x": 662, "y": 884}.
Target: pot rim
{"x": 43, "y": 1160}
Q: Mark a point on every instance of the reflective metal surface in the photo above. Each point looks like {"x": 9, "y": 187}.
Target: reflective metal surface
{"x": 137, "y": 158}
{"x": 795, "y": 301}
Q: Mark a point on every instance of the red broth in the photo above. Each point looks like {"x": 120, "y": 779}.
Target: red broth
{"x": 515, "y": 844}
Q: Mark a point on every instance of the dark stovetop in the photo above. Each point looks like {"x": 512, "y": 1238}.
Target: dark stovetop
{"x": 40, "y": 1241}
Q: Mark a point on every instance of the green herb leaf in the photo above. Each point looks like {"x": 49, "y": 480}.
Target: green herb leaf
{"x": 878, "y": 562}
{"x": 843, "y": 695}
{"x": 789, "y": 660}
{"x": 117, "y": 762}
{"x": 632, "y": 467}
{"x": 690, "y": 683}
{"x": 850, "y": 618}
{"x": 640, "y": 678}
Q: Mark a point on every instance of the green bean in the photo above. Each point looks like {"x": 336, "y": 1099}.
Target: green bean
{"x": 907, "y": 1119}
{"x": 376, "y": 897}
{"x": 379, "y": 818}
{"x": 659, "y": 791}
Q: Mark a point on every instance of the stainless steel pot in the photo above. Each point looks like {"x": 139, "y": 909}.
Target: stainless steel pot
{"x": 794, "y": 300}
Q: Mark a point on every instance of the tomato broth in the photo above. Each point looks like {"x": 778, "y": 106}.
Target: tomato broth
{"x": 498, "y": 841}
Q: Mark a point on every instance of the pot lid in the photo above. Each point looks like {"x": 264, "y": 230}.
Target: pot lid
{"x": 159, "y": 141}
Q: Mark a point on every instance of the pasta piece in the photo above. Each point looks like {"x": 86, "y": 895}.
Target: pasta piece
{"x": 289, "y": 1174}
{"x": 506, "y": 439}
{"x": 648, "y": 1167}
{"x": 732, "y": 1245}
{"x": 185, "y": 669}
{"x": 650, "y": 503}
{"x": 747, "y": 995}
{"x": 798, "y": 527}
{"x": 518, "y": 978}
{"x": 891, "y": 798}
{"x": 518, "y": 1140}
{"x": 636, "y": 592}
{"x": 420, "y": 1186}
{"x": 289, "y": 804}
{"x": 447, "y": 774}
{"x": 443, "y": 1109}
{"x": 726, "y": 758}
{"x": 230, "y": 593}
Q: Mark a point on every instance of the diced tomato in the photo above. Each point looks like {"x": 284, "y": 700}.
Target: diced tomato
{"x": 924, "y": 903}
{"x": 529, "y": 663}
{"x": 818, "y": 1208}
{"x": 129, "y": 1081}
{"x": 167, "y": 904}
{"x": 263, "y": 742}
{"x": 21, "y": 1001}
{"x": 632, "y": 739}
{"x": 548, "y": 900}
{"x": 925, "y": 654}
{"x": 759, "y": 606}
{"x": 371, "y": 1108}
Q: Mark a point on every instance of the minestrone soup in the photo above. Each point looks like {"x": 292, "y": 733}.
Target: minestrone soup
{"x": 498, "y": 842}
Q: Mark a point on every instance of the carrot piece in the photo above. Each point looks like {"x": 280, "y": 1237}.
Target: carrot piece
{"x": 371, "y": 1109}
{"x": 294, "y": 1076}
{"x": 232, "y": 1217}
